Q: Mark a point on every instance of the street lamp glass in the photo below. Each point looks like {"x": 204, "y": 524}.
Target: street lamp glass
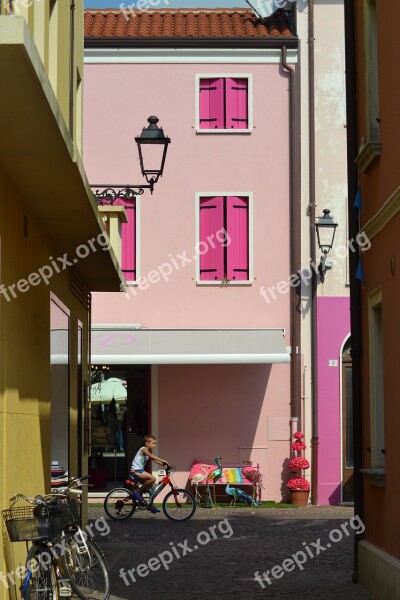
{"x": 326, "y": 229}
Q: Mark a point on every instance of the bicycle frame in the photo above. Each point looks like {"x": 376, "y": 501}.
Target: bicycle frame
{"x": 160, "y": 486}
{"x": 166, "y": 480}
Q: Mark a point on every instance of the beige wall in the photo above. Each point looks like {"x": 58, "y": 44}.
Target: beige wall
{"x": 330, "y": 162}
{"x": 330, "y": 137}
{"x": 52, "y": 30}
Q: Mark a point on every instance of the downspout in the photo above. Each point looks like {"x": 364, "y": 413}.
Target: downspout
{"x": 314, "y": 322}
{"x": 72, "y": 69}
{"x": 355, "y": 291}
{"x": 294, "y": 231}
{"x": 89, "y": 381}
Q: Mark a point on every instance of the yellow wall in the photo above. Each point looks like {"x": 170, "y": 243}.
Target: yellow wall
{"x": 26, "y": 245}
{"x": 25, "y": 361}
{"x": 52, "y": 34}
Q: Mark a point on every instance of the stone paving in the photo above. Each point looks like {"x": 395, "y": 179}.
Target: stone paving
{"x": 224, "y": 559}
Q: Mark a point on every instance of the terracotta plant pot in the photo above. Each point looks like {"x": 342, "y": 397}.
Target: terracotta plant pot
{"x": 299, "y": 497}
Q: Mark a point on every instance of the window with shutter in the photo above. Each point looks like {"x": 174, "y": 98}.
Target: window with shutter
{"x": 224, "y": 238}
{"x": 224, "y": 103}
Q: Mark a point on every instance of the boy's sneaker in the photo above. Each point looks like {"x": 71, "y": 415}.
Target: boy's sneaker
{"x": 153, "y": 509}
{"x": 138, "y": 497}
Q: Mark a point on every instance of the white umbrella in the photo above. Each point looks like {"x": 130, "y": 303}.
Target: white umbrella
{"x": 105, "y": 391}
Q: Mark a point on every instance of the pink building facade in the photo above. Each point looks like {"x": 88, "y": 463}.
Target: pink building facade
{"x": 203, "y": 334}
{"x": 216, "y": 230}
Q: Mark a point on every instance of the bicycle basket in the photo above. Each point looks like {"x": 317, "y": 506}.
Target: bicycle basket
{"x": 30, "y": 523}
{"x": 74, "y": 515}
{"x": 64, "y": 512}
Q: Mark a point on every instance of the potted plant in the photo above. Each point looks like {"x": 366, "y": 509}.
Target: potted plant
{"x": 299, "y": 486}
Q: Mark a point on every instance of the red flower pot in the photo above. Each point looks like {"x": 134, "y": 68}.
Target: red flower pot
{"x": 299, "y": 497}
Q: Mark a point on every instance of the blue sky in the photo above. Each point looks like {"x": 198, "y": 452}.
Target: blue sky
{"x": 163, "y": 4}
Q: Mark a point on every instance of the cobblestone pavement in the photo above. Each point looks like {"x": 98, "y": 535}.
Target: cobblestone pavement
{"x": 223, "y": 568}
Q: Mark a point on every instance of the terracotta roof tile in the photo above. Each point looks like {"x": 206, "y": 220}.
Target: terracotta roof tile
{"x": 132, "y": 27}
{"x": 184, "y": 22}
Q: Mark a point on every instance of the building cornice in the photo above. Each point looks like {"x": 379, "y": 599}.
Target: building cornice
{"x": 375, "y": 476}
{"x": 190, "y": 42}
{"x": 209, "y": 56}
{"x": 384, "y": 215}
{"x": 367, "y": 155}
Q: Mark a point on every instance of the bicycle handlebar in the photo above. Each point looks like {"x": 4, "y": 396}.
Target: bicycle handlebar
{"x": 77, "y": 479}
{"x": 16, "y": 497}
{"x": 74, "y": 485}
{"x": 72, "y": 482}
{"x": 36, "y": 500}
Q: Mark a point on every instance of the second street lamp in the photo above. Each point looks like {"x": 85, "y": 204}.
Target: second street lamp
{"x": 152, "y": 147}
{"x": 326, "y": 229}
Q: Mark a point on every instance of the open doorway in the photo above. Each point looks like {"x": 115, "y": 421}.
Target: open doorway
{"x": 60, "y": 390}
{"x": 120, "y": 399}
{"x": 347, "y": 425}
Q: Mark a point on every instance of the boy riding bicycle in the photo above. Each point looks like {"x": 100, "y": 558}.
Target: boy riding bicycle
{"x": 138, "y": 472}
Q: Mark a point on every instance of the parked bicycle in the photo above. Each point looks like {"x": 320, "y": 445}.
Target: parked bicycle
{"x": 62, "y": 556}
{"x": 178, "y": 504}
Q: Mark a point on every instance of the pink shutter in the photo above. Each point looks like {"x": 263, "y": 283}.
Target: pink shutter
{"x": 128, "y": 234}
{"x": 238, "y": 230}
{"x": 210, "y": 249}
{"x": 237, "y": 103}
{"x": 211, "y": 103}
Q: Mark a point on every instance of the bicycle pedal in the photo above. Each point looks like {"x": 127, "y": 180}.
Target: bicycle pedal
{"x": 64, "y": 590}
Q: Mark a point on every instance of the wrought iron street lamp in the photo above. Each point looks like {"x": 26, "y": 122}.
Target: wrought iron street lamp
{"x": 152, "y": 147}
{"x": 326, "y": 229}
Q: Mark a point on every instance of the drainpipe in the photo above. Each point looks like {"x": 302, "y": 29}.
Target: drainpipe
{"x": 355, "y": 292}
{"x": 72, "y": 69}
{"x": 314, "y": 322}
{"x": 294, "y": 220}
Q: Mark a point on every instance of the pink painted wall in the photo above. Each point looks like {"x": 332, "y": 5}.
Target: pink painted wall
{"x": 333, "y": 328}
{"x": 118, "y": 100}
{"x": 206, "y": 410}
{"x": 202, "y": 409}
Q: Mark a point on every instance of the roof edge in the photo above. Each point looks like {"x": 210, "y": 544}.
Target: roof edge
{"x": 190, "y": 42}
{"x": 188, "y": 9}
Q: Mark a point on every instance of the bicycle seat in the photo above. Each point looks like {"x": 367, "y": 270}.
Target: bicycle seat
{"x": 131, "y": 482}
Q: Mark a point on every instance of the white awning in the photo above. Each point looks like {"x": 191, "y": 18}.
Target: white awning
{"x": 188, "y": 346}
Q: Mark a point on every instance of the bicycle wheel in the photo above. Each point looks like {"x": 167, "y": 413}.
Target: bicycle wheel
{"x": 41, "y": 580}
{"x": 84, "y": 565}
{"x": 119, "y": 504}
{"x": 179, "y": 505}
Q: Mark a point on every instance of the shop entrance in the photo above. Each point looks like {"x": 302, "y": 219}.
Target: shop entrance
{"x": 120, "y": 400}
